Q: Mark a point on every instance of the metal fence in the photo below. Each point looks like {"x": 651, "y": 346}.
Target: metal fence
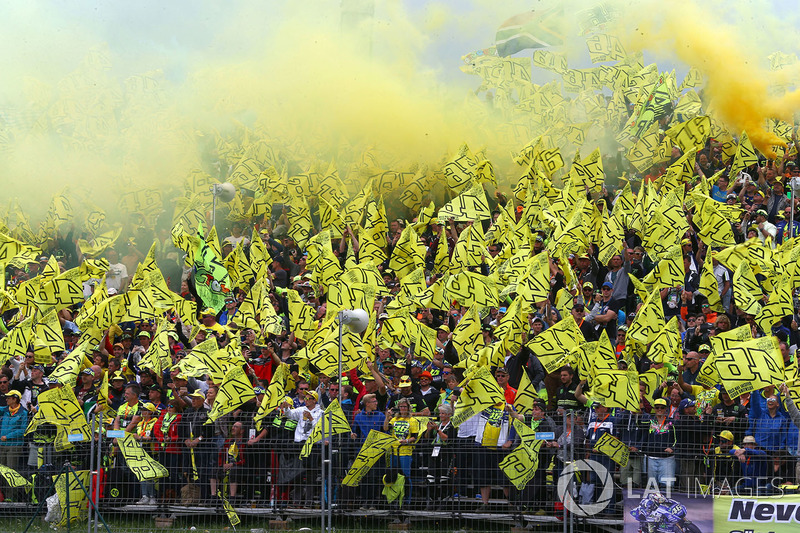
{"x": 265, "y": 485}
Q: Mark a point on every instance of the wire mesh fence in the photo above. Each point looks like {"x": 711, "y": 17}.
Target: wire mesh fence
{"x": 594, "y": 469}
{"x": 237, "y": 480}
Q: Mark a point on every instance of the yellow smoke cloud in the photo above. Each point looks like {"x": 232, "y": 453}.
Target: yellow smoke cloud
{"x": 737, "y": 80}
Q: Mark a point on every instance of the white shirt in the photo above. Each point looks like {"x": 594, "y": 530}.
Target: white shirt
{"x": 304, "y": 427}
{"x": 770, "y": 230}
{"x": 116, "y": 273}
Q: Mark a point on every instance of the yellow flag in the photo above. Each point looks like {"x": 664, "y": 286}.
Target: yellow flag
{"x": 745, "y": 155}
{"x": 666, "y": 346}
{"x": 472, "y": 289}
{"x": 470, "y": 249}
{"x": 233, "y": 517}
{"x": 588, "y": 173}
{"x": 526, "y": 395}
{"x": 236, "y": 390}
{"x": 467, "y": 337}
{"x": 535, "y": 283}
{"x": 709, "y": 286}
{"x": 16, "y": 342}
{"x": 669, "y": 272}
{"x": 605, "y": 47}
{"x": 333, "y": 421}
{"x": 556, "y": 342}
{"x": 461, "y": 170}
{"x": 144, "y": 467}
{"x": 375, "y": 446}
{"x": 49, "y": 333}
{"x": 691, "y": 134}
{"x": 616, "y": 388}
{"x": 275, "y": 394}
{"x": 62, "y": 291}
{"x": 68, "y": 483}
{"x": 471, "y": 205}
{"x": 60, "y": 407}
{"x": 750, "y": 365}
{"x": 614, "y": 448}
{"x": 778, "y": 306}
{"x": 66, "y": 372}
{"x": 520, "y": 465}
{"x": 649, "y": 320}
{"x": 408, "y": 253}
{"x": 300, "y": 221}
{"x": 13, "y": 478}
{"x": 715, "y": 229}
{"x": 611, "y": 241}
{"x": 323, "y": 349}
{"x": 745, "y": 279}
{"x": 708, "y": 374}
{"x": 481, "y": 391}
{"x": 301, "y": 317}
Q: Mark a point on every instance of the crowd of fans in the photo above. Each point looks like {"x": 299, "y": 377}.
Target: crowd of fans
{"x": 681, "y": 431}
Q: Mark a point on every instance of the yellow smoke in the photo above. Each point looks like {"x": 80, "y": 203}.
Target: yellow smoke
{"x": 737, "y": 80}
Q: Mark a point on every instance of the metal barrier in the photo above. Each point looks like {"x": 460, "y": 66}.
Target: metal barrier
{"x": 268, "y": 485}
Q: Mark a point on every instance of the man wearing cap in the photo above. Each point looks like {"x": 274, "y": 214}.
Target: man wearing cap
{"x": 85, "y": 389}
{"x": 406, "y": 390}
{"x": 229, "y": 311}
{"x": 209, "y": 320}
{"x": 116, "y": 390}
{"x": 13, "y": 423}
{"x": 766, "y": 230}
{"x": 31, "y": 388}
{"x": 198, "y": 437}
{"x": 604, "y": 312}
{"x": 754, "y": 464}
{"x": 724, "y": 468}
{"x": 659, "y": 445}
{"x": 429, "y": 393}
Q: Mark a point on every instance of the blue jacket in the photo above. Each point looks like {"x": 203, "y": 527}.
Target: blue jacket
{"x": 771, "y": 433}
{"x": 13, "y": 427}
{"x": 755, "y": 467}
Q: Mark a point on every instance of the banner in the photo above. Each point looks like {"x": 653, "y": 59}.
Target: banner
{"x": 143, "y": 466}
{"x": 376, "y": 445}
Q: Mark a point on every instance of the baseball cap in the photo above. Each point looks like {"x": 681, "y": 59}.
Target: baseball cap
{"x": 209, "y": 311}
{"x": 149, "y": 407}
{"x": 118, "y": 375}
{"x": 14, "y": 393}
{"x": 37, "y": 367}
{"x": 197, "y": 394}
{"x": 312, "y": 394}
{"x": 608, "y": 284}
{"x": 502, "y": 370}
{"x": 588, "y": 285}
{"x": 684, "y": 242}
{"x": 426, "y": 374}
{"x": 444, "y": 328}
{"x": 762, "y": 213}
{"x": 704, "y": 348}
{"x": 660, "y": 402}
{"x": 727, "y": 435}
{"x": 259, "y": 390}
{"x": 749, "y": 439}
{"x": 686, "y": 402}
{"x": 144, "y": 334}
{"x": 502, "y": 310}
{"x": 88, "y": 372}
{"x": 180, "y": 375}
{"x": 405, "y": 381}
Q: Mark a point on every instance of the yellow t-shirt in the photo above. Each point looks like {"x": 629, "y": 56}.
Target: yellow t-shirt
{"x": 403, "y": 428}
